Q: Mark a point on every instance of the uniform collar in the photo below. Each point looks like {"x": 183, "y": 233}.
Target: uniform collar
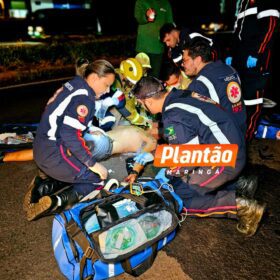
{"x": 174, "y": 94}
{"x": 80, "y": 83}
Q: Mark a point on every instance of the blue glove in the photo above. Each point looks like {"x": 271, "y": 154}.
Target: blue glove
{"x": 251, "y": 61}
{"x": 228, "y": 60}
{"x": 143, "y": 158}
{"x": 161, "y": 176}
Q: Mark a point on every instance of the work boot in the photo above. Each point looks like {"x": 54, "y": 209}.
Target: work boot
{"x": 53, "y": 204}
{"x": 250, "y": 213}
{"x": 247, "y": 186}
{"x": 40, "y": 186}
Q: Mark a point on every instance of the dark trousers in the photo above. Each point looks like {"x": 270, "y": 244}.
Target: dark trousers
{"x": 253, "y": 89}
{"x": 208, "y": 193}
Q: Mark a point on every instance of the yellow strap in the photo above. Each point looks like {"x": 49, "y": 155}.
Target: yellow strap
{"x": 212, "y": 213}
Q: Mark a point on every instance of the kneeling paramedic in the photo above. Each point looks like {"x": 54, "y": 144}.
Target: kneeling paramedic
{"x": 59, "y": 148}
{"x": 189, "y": 118}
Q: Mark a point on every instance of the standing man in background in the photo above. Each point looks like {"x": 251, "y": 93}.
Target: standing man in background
{"x": 174, "y": 38}
{"x": 254, "y": 32}
{"x": 151, "y": 15}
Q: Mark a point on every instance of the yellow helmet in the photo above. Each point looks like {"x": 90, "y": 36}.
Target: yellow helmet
{"x": 131, "y": 69}
{"x": 144, "y": 60}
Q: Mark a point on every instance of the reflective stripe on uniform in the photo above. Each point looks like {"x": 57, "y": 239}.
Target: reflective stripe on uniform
{"x": 195, "y": 34}
{"x": 218, "y": 134}
{"x": 195, "y": 140}
{"x": 268, "y": 13}
{"x": 107, "y": 119}
{"x": 60, "y": 110}
{"x": 253, "y": 102}
{"x": 73, "y": 123}
{"x": 248, "y": 12}
{"x": 213, "y": 94}
{"x": 177, "y": 59}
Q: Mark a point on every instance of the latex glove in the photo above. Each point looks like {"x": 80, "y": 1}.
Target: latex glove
{"x": 118, "y": 98}
{"x": 161, "y": 175}
{"x": 151, "y": 15}
{"x": 251, "y": 61}
{"x": 144, "y": 158}
{"x": 228, "y": 60}
{"x": 100, "y": 170}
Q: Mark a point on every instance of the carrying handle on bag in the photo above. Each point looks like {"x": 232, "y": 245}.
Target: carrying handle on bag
{"x": 77, "y": 235}
{"x": 142, "y": 267}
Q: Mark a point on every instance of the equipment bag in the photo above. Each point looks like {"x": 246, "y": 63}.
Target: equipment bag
{"x": 120, "y": 232}
{"x": 269, "y": 128}
{"x": 18, "y": 136}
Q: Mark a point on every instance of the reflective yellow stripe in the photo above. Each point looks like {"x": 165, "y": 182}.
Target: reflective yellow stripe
{"x": 213, "y": 213}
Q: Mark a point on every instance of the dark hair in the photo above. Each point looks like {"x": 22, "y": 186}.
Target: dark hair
{"x": 148, "y": 87}
{"x": 169, "y": 68}
{"x": 199, "y": 46}
{"x": 166, "y": 29}
{"x": 101, "y": 67}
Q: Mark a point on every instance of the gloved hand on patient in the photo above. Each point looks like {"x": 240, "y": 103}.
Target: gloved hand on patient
{"x": 143, "y": 158}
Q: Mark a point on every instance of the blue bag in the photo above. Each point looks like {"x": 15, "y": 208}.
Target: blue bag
{"x": 269, "y": 128}
{"x": 120, "y": 232}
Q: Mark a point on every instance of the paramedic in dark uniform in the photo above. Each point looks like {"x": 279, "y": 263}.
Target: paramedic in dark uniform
{"x": 215, "y": 80}
{"x": 174, "y": 38}
{"x": 59, "y": 148}
{"x": 189, "y": 118}
{"x": 254, "y": 33}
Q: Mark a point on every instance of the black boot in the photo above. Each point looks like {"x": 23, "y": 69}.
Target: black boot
{"x": 247, "y": 186}
{"x": 40, "y": 186}
{"x": 48, "y": 205}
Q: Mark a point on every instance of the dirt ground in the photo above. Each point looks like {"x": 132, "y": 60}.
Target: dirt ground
{"x": 202, "y": 249}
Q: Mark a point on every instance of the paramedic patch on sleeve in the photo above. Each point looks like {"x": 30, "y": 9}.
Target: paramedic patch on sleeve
{"x": 233, "y": 92}
{"x": 82, "y": 111}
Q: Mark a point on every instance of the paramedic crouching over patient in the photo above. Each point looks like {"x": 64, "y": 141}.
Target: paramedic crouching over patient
{"x": 189, "y": 118}
{"x": 59, "y": 147}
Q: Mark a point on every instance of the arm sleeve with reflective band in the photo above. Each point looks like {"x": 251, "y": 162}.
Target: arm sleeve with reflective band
{"x": 73, "y": 127}
{"x": 199, "y": 87}
{"x": 177, "y": 132}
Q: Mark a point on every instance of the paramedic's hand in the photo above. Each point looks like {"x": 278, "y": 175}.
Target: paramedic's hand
{"x": 161, "y": 175}
{"x": 150, "y": 14}
{"x": 228, "y": 60}
{"x": 100, "y": 170}
{"x": 144, "y": 158}
{"x": 251, "y": 61}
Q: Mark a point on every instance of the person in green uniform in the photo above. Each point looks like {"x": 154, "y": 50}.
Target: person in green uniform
{"x": 151, "y": 15}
